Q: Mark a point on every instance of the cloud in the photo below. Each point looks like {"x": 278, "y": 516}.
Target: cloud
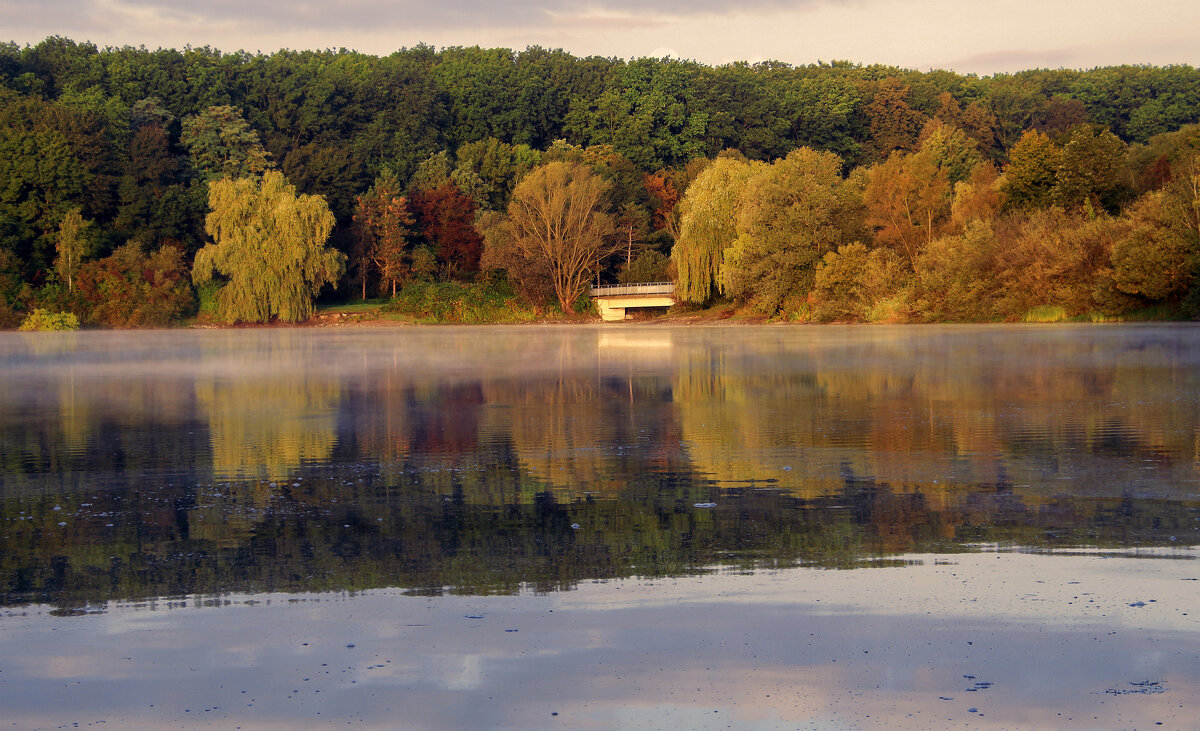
{"x": 1018, "y": 59}
{"x": 416, "y": 14}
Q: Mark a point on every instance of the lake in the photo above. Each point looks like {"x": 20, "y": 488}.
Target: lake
{"x": 601, "y": 527}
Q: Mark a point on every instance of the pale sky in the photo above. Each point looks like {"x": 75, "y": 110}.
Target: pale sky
{"x": 967, "y": 36}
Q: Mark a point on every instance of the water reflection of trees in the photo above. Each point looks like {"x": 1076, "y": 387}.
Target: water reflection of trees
{"x": 67, "y": 427}
{"x": 937, "y": 413}
{"x": 379, "y": 533}
{"x": 265, "y": 425}
{"x": 589, "y": 466}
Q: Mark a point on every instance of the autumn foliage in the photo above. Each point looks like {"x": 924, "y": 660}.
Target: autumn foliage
{"x": 445, "y": 217}
{"x": 383, "y": 222}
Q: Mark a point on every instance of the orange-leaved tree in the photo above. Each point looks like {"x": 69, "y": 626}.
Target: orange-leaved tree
{"x": 383, "y": 222}
{"x": 557, "y": 217}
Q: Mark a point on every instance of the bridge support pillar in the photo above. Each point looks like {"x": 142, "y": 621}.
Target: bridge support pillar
{"x": 610, "y": 312}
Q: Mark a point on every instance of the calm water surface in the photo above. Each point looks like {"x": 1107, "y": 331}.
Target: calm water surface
{"x": 601, "y": 527}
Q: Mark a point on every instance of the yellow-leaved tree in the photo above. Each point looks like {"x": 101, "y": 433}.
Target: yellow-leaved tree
{"x": 558, "y": 222}
{"x": 268, "y": 249}
{"x": 707, "y": 226}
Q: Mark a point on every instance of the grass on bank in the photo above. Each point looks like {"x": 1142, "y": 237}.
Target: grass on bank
{"x": 497, "y": 302}
{"x": 473, "y": 303}
{"x": 1163, "y": 312}
{"x": 354, "y": 307}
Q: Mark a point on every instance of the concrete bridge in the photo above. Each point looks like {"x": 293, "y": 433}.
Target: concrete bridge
{"x": 614, "y": 299}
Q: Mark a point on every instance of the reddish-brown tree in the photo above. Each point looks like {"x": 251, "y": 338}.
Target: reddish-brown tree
{"x": 894, "y": 124}
{"x": 445, "y": 217}
{"x": 663, "y": 197}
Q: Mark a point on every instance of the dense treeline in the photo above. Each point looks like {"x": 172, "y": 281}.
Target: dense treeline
{"x": 864, "y": 192}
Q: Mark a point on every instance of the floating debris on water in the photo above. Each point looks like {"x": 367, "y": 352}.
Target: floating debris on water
{"x": 1140, "y": 687}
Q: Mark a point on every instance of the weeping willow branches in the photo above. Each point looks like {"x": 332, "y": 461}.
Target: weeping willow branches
{"x": 268, "y": 248}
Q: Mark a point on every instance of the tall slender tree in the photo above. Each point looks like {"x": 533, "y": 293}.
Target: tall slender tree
{"x": 71, "y": 245}
{"x": 384, "y": 223}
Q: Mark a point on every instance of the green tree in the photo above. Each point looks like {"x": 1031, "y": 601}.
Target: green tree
{"x": 649, "y": 113}
{"x": 46, "y": 168}
{"x": 787, "y": 219}
{"x": 224, "y": 145}
{"x": 1156, "y": 259}
{"x": 71, "y": 245}
{"x": 1032, "y": 171}
{"x": 499, "y": 166}
{"x": 1181, "y": 196}
{"x": 707, "y": 227}
{"x": 951, "y": 149}
{"x": 156, "y": 203}
{"x": 268, "y": 247}
{"x": 648, "y": 267}
{"x": 12, "y": 289}
{"x": 827, "y": 114}
{"x": 1090, "y": 163}
{"x": 402, "y": 112}
{"x": 331, "y": 170}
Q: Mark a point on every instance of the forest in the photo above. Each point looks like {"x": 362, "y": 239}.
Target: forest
{"x": 145, "y": 188}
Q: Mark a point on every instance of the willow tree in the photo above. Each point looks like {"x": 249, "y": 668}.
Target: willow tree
{"x": 707, "y": 227}
{"x": 557, "y": 218}
{"x": 790, "y": 215}
{"x": 268, "y": 249}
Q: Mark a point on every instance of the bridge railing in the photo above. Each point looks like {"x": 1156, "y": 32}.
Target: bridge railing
{"x": 611, "y": 290}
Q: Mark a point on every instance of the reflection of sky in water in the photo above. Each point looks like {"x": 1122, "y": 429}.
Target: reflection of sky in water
{"x": 1040, "y": 636}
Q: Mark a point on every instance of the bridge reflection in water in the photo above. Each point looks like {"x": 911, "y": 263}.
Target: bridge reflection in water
{"x": 614, "y": 299}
